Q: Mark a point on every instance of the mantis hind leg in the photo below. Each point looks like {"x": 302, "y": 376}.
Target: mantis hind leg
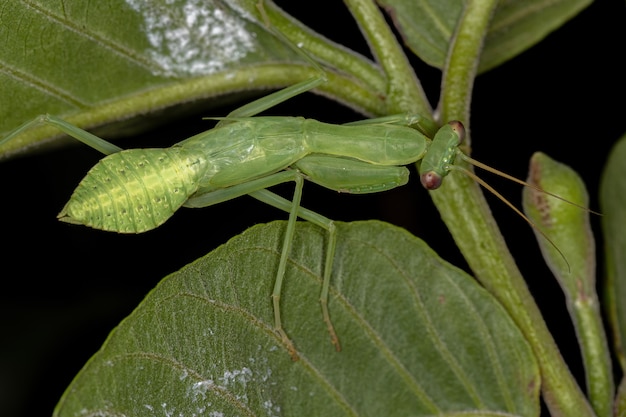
{"x": 294, "y": 208}
{"x": 257, "y": 189}
{"x": 287, "y": 241}
{"x": 85, "y": 137}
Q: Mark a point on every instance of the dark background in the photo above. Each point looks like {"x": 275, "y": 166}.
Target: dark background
{"x": 66, "y": 287}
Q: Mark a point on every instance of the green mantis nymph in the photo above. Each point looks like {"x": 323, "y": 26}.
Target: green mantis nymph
{"x": 136, "y": 190}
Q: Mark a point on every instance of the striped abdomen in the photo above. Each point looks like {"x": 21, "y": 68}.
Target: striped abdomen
{"x": 135, "y": 190}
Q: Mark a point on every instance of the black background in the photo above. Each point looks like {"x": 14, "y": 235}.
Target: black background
{"x": 66, "y": 287}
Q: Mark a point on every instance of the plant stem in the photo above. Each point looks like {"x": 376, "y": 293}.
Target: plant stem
{"x": 465, "y": 212}
{"x": 404, "y": 91}
{"x": 326, "y": 51}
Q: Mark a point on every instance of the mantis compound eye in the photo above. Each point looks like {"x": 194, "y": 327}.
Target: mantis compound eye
{"x": 458, "y": 128}
{"x": 431, "y": 180}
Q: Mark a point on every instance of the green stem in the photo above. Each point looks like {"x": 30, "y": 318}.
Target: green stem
{"x": 465, "y": 212}
{"x": 463, "y": 57}
{"x": 326, "y": 51}
{"x": 594, "y": 348}
{"x": 404, "y": 91}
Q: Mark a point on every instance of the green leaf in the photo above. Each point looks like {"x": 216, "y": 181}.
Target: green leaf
{"x": 428, "y": 25}
{"x": 419, "y": 337}
{"x": 105, "y": 61}
{"x": 613, "y": 207}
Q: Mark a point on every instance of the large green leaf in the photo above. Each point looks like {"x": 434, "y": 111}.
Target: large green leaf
{"x": 428, "y": 25}
{"x": 419, "y": 337}
{"x": 96, "y": 62}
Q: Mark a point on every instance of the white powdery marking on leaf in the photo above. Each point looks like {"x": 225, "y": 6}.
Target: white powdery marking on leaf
{"x": 261, "y": 363}
{"x": 271, "y": 409}
{"x": 265, "y": 376}
{"x": 192, "y": 37}
{"x": 168, "y": 413}
{"x": 199, "y": 389}
{"x": 235, "y": 382}
{"x": 238, "y": 376}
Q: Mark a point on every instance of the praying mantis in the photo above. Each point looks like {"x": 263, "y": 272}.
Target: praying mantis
{"x": 137, "y": 190}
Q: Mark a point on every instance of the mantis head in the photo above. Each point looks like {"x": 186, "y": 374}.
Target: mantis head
{"x": 441, "y": 154}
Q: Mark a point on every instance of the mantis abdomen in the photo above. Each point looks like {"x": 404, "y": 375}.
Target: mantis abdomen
{"x": 133, "y": 191}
